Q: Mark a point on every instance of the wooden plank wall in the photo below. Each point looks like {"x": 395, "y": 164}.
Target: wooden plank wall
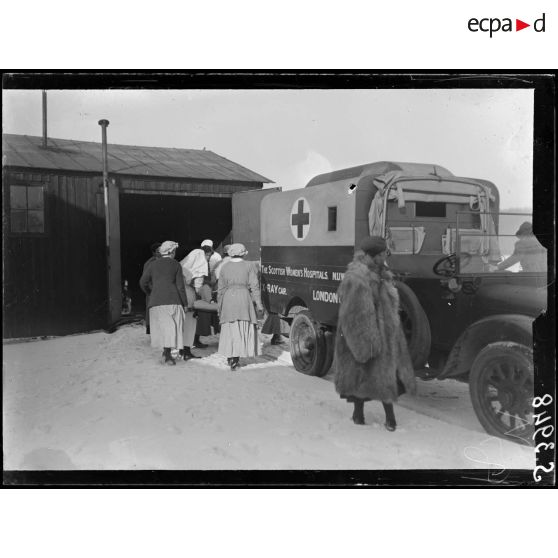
{"x": 55, "y": 284}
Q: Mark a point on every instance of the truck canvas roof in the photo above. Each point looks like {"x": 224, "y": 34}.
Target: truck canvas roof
{"x": 381, "y": 173}
{"x": 379, "y": 168}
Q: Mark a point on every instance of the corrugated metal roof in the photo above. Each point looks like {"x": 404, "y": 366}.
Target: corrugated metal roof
{"x": 86, "y": 156}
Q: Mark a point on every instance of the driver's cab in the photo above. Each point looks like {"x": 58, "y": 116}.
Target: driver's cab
{"x": 427, "y": 220}
{"x": 451, "y": 245}
{"x": 450, "y": 227}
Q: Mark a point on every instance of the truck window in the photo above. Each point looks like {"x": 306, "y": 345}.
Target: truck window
{"x": 430, "y": 209}
{"x": 332, "y": 218}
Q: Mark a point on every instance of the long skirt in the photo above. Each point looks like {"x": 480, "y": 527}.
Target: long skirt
{"x": 238, "y": 339}
{"x": 171, "y": 327}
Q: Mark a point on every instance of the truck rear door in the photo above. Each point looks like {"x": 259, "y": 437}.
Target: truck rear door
{"x": 246, "y": 219}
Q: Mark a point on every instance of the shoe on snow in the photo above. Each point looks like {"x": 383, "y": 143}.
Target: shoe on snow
{"x": 390, "y": 426}
{"x": 358, "y": 420}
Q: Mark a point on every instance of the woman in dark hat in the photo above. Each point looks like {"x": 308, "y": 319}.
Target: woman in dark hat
{"x": 528, "y": 251}
{"x": 372, "y": 361}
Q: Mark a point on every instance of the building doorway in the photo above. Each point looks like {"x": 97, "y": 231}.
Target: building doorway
{"x": 188, "y": 220}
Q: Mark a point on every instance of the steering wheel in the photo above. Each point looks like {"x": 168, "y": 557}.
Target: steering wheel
{"x": 445, "y": 266}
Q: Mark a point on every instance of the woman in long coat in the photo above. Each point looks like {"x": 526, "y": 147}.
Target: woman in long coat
{"x": 170, "y": 328}
{"x": 237, "y": 293}
{"x": 154, "y": 256}
{"x": 372, "y": 360}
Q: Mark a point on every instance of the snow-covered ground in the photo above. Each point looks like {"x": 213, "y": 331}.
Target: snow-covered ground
{"x": 104, "y": 401}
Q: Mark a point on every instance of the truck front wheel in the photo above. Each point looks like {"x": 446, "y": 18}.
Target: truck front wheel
{"x": 308, "y": 345}
{"x": 501, "y": 384}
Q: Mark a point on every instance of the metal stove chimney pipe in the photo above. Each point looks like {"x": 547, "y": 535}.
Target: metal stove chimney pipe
{"x": 104, "y": 124}
{"x": 44, "y": 119}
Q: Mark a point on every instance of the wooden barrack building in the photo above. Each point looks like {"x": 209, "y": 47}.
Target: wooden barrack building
{"x": 53, "y": 223}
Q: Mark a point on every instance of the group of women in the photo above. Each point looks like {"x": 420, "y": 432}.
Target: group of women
{"x": 371, "y": 357}
{"x": 172, "y": 289}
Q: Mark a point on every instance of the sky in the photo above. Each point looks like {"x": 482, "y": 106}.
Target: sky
{"x": 289, "y": 136}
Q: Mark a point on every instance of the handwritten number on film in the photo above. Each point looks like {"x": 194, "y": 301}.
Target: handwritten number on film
{"x": 546, "y": 431}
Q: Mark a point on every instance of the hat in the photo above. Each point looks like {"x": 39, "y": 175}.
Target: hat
{"x": 226, "y": 249}
{"x": 373, "y": 245}
{"x": 207, "y": 242}
{"x": 167, "y": 247}
{"x": 236, "y": 250}
{"x": 524, "y": 228}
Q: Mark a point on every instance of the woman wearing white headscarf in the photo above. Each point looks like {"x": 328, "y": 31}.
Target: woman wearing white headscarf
{"x": 170, "y": 326}
{"x": 237, "y": 293}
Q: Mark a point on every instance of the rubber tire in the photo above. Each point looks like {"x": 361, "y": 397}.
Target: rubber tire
{"x": 313, "y": 366}
{"x": 524, "y": 355}
{"x": 420, "y": 339}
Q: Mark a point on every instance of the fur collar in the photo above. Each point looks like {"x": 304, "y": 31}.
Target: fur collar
{"x": 371, "y": 272}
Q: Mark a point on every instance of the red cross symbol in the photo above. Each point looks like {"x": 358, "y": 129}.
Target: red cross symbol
{"x": 300, "y": 218}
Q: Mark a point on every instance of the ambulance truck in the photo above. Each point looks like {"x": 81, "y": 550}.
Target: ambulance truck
{"x": 445, "y": 235}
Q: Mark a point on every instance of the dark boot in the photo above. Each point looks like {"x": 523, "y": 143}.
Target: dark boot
{"x": 358, "y": 413}
{"x": 186, "y": 353}
{"x": 168, "y": 357}
{"x": 390, "y": 424}
{"x": 276, "y": 339}
{"x": 234, "y": 363}
{"x": 198, "y": 344}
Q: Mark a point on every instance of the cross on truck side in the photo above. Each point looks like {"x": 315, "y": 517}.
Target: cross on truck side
{"x": 465, "y": 316}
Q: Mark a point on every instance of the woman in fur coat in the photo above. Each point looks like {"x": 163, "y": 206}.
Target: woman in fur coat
{"x": 372, "y": 360}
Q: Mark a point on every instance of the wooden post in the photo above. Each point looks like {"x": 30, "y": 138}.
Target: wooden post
{"x": 104, "y": 124}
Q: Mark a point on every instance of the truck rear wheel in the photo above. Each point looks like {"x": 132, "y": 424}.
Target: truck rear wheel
{"x": 308, "y": 345}
{"x": 501, "y": 384}
{"x": 415, "y": 325}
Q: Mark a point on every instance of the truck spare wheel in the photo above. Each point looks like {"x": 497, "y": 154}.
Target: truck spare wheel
{"x": 415, "y": 325}
{"x": 308, "y": 345}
